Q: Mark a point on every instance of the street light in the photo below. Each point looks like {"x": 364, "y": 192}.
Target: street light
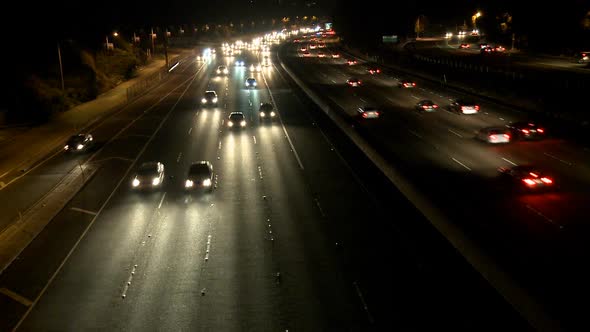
{"x": 474, "y": 18}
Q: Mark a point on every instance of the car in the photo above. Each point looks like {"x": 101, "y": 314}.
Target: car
{"x": 354, "y": 82}
{"x": 464, "y": 45}
{"x": 306, "y": 54}
{"x": 303, "y": 49}
{"x": 240, "y": 63}
{"x": 335, "y": 55}
{"x": 494, "y": 135}
{"x": 374, "y": 70}
{"x": 209, "y": 98}
{"x": 236, "y": 120}
{"x": 312, "y": 46}
{"x": 487, "y": 50}
{"x": 368, "y": 112}
{"x": 464, "y": 106}
{"x": 351, "y": 62}
{"x": 526, "y": 130}
{"x": 79, "y": 143}
{"x": 222, "y": 70}
{"x": 528, "y": 177}
{"x": 406, "y": 83}
{"x": 583, "y": 57}
{"x": 321, "y": 45}
{"x": 321, "y": 54}
{"x": 250, "y": 82}
{"x": 149, "y": 175}
{"x": 484, "y": 45}
{"x": 426, "y": 105}
{"x": 255, "y": 68}
{"x": 499, "y": 48}
{"x": 266, "y": 111}
{"x": 200, "y": 175}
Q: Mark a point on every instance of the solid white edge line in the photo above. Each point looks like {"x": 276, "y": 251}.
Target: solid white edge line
{"x": 509, "y": 161}
{"x": 460, "y": 163}
{"x": 162, "y": 200}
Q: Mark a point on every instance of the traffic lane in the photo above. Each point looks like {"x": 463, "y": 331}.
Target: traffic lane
{"x": 355, "y": 222}
{"x": 112, "y": 174}
{"x": 32, "y": 186}
{"x": 551, "y": 224}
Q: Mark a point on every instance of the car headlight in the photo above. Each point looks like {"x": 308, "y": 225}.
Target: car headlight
{"x": 254, "y": 83}
{"x": 203, "y": 100}
{"x": 135, "y": 182}
{"x": 66, "y": 147}
{"x": 188, "y": 184}
{"x": 215, "y": 99}
{"x": 207, "y": 182}
{"x": 156, "y": 181}
{"x": 225, "y": 71}
{"x": 80, "y": 146}
{"x": 218, "y": 71}
{"x": 262, "y": 114}
{"x": 243, "y": 123}
{"x": 229, "y": 123}
{"x": 272, "y": 114}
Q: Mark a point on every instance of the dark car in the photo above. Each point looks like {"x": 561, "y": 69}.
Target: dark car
{"x": 527, "y": 177}
{"x": 368, "y": 112}
{"x": 266, "y": 111}
{"x": 354, "y": 82}
{"x": 374, "y": 70}
{"x": 464, "y": 106}
{"x": 148, "y": 175}
{"x": 526, "y": 130}
{"x": 200, "y": 175}
{"x": 494, "y": 135}
{"x": 426, "y": 105}
{"x": 236, "y": 120}
{"x": 79, "y": 143}
{"x": 209, "y": 98}
{"x": 406, "y": 83}
{"x": 250, "y": 82}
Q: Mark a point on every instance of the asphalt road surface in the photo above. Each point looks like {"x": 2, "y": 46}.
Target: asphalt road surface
{"x": 301, "y": 232}
{"x": 540, "y": 237}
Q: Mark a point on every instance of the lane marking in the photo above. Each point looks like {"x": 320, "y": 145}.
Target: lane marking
{"x": 18, "y": 298}
{"x": 128, "y": 283}
{"x": 554, "y": 157}
{"x": 178, "y": 159}
{"x": 334, "y": 82}
{"x": 162, "y": 200}
{"x": 415, "y": 97}
{"x": 189, "y": 130}
{"x": 454, "y": 132}
{"x": 219, "y": 146}
{"x": 362, "y": 298}
{"x": 283, "y": 125}
{"x": 260, "y": 172}
{"x": 208, "y": 248}
{"x": 254, "y": 138}
{"x": 415, "y": 134}
{"x": 112, "y": 194}
{"x": 92, "y": 213}
{"x": 509, "y": 161}
{"x": 173, "y": 67}
{"x": 460, "y": 163}
{"x": 361, "y": 99}
{"x": 537, "y": 212}
{"x": 317, "y": 203}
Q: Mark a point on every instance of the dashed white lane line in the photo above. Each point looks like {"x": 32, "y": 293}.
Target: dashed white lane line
{"x": 179, "y": 156}
{"x": 208, "y": 248}
{"x": 509, "y": 161}
{"x": 128, "y": 283}
{"x": 460, "y": 163}
{"x": 334, "y": 81}
{"x": 219, "y": 146}
{"x": 18, "y": 298}
{"x": 362, "y": 298}
{"x": 549, "y": 220}
{"x": 189, "y": 130}
{"x": 254, "y": 138}
{"x": 92, "y": 213}
{"x": 414, "y": 97}
{"x": 415, "y": 134}
{"x": 161, "y": 201}
{"x": 361, "y": 99}
{"x": 561, "y": 160}
{"x": 456, "y": 133}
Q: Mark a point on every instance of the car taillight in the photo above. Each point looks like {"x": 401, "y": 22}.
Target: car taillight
{"x": 534, "y": 174}
{"x": 506, "y": 136}
{"x": 424, "y": 106}
{"x": 413, "y": 84}
{"x": 526, "y": 131}
{"x": 529, "y": 182}
{"x": 364, "y": 115}
{"x": 583, "y": 54}
{"x": 477, "y": 107}
{"x": 492, "y": 137}
{"x": 547, "y": 180}
{"x": 435, "y": 106}
{"x": 377, "y": 113}
{"x": 540, "y": 130}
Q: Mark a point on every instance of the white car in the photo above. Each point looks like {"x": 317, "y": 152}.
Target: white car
{"x": 149, "y": 175}
{"x": 222, "y": 70}
{"x": 494, "y": 135}
{"x": 236, "y": 120}
{"x": 368, "y": 112}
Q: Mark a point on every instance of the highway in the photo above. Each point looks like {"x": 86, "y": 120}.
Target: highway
{"x": 301, "y": 232}
{"x": 541, "y": 238}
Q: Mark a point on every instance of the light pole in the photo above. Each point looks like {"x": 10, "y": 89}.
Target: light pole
{"x": 61, "y": 69}
{"x": 474, "y": 19}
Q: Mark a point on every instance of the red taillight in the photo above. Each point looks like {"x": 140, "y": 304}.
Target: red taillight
{"x": 434, "y": 106}
{"x": 534, "y": 174}
{"x": 547, "y": 180}
{"x": 477, "y": 107}
{"x": 529, "y": 182}
{"x": 540, "y": 130}
{"x": 364, "y": 115}
{"x": 506, "y": 136}
{"x": 492, "y": 137}
{"x": 583, "y": 54}
{"x": 424, "y": 106}
{"x": 462, "y": 108}
{"x": 526, "y": 131}
{"x": 377, "y": 113}
{"x": 378, "y": 70}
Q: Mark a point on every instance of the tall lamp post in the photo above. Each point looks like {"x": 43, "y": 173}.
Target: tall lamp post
{"x": 474, "y": 19}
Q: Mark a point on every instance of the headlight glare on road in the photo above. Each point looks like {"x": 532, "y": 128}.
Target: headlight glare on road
{"x": 207, "y": 182}
{"x": 80, "y": 146}
{"x": 156, "y": 181}
{"x": 188, "y": 184}
{"x": 135, "y": 182}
